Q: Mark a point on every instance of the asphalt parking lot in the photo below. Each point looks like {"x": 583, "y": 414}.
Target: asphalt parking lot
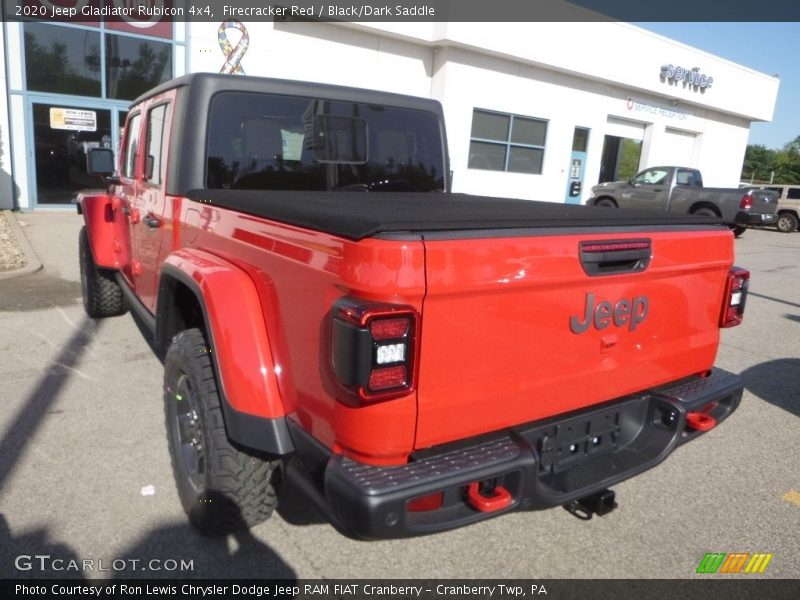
{"x": 85, "y": 473}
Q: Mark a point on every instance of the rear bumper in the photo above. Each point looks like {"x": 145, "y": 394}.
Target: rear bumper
{"x": 747, "y": 218}
{"x": 541, "y": 464}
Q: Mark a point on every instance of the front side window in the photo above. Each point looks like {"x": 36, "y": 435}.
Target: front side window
{"x": 651, "y": 177}
{"x": 503, "y": 142}
{"x": 271, "y": 142}
{"x": 131, "y": 148}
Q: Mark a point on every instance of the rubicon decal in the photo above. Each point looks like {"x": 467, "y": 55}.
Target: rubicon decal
{"x": 628, "y": 312}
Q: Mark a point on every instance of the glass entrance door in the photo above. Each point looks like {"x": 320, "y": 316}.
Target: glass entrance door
{"x": 62, "y": 135}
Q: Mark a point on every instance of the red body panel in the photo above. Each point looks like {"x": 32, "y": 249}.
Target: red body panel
{"x": 108, "y": 233}
{"x": 496, "y": 342}
{"x": 299, "y": 274}
{"x": 247, "y": 369}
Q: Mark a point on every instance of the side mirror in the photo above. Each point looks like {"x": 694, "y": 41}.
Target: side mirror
{"x": 100, "y": 162}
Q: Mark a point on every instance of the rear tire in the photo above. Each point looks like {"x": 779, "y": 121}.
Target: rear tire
{"x": 223, "y": 488}
{"x": 606, "y": 202}
{"x": 102, "y": 295}
{"x": 738, "y": 230}
{"x": 705, "y": 212}
{"x": 787, "y": 223}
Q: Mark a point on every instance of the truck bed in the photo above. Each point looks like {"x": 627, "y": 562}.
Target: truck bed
{"x": 359, "y": 215}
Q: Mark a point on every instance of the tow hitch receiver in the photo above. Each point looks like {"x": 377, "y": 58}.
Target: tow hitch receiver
{"x": 600, "y": 503}
{"x": 498, "y": 499}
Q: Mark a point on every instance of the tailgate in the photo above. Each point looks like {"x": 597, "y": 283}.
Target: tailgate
{"x": 505, "y": 333}
{"x": 764, "y": 202}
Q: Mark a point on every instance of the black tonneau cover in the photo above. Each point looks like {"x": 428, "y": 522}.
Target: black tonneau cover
{"x": 359, "y": 215}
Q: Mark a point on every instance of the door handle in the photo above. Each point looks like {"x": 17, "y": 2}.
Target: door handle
{"x": 152, "y": 222}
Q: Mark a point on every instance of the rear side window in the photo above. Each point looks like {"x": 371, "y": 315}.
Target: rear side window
{"x": 793, "y": 194}
{"x": 131, "y": 146}
{"x": 154, "y": 156}
{"x": 271, "y": 142}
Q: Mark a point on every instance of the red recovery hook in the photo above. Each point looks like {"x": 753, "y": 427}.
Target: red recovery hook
{"x": 700, "y": 421}
{"x": 500, "y": 498}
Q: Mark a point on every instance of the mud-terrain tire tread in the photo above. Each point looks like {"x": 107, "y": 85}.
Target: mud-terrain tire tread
{"x": 102, "y": 295}
{"x": 239, "y": 489}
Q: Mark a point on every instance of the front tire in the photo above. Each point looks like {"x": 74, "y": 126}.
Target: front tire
{"x": 223, "y": 488}
{"x": 102, "y": 295}
{"x": 787, "y": 223}
{"x": 606, "y": 202}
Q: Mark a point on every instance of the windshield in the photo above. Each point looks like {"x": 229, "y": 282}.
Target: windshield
{"x": 270, "y": 142}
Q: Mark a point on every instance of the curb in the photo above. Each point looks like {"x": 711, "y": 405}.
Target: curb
{"x": 33, "y": 264}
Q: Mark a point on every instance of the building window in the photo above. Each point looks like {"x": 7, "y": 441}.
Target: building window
{"x": 133, "y": 66}
{"x": 503, "y": 142}
{"x": 62, "y": 60}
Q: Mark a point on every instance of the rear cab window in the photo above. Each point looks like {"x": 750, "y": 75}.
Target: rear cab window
{"x": 272, "y": 142}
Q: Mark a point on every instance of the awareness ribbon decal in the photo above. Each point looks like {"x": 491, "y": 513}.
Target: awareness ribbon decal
{"x": 233, "y": 55}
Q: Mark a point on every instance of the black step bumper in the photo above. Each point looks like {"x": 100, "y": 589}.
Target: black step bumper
{"x": 542, "y": 464}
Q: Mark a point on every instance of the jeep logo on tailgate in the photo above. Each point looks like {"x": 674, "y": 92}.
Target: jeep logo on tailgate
{"x": 626, "y": 311}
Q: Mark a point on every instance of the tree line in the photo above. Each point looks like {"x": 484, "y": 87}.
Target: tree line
{"x": 764, "y": 165}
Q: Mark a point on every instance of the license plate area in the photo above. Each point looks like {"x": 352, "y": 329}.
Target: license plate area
{"x": 573, "y": 441}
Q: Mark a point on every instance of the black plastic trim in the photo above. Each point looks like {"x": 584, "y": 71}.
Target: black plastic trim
{"x": 136, "y": 305}
{"x": 748, "y": 218}
{"x": 351, "y": 353}
{"x": 542, "y": 464}
{"x": 567, "y": 229}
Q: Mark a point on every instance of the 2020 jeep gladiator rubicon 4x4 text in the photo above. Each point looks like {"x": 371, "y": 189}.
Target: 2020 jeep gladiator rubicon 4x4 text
{"x": 413, "y": 360}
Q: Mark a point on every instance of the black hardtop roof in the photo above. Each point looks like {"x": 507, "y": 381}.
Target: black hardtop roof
{"x": 211, "y": 83}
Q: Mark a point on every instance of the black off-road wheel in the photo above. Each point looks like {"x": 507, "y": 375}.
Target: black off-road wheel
{"x": 102, "y": 296}
{"x": 787, "y": 223}
{"x": 223, "y": 488}
{"x": 738, "y": 230}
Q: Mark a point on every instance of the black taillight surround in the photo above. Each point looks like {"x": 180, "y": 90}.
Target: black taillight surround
{"x": 360, "y": 361}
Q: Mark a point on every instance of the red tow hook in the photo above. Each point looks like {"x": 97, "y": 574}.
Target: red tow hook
{"x": 500, "y": 498}
{"x": 700, "y": 421}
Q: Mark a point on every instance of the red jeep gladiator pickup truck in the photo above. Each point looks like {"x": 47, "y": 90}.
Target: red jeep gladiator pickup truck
{"x": 413, "y": 360}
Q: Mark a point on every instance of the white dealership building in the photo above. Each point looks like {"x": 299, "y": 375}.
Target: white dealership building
{"x": 533, "y": 110}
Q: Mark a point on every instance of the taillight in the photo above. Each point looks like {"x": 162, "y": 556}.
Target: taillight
{"x": 747, "y": 202}
{"x": 735, "y": 297}
{"x": 373, "y": 349}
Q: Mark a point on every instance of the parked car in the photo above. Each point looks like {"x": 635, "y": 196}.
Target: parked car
{"x": 788, "y": 207}
{"x": 680, "y": 190}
